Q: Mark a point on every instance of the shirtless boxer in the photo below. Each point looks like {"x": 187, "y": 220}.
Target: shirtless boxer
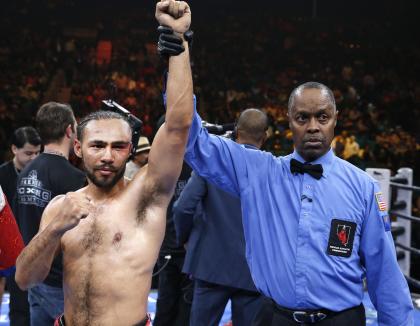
{"x": 110, "y": 231}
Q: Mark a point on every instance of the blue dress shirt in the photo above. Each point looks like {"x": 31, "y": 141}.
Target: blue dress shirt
{"x": 290, "y": 219}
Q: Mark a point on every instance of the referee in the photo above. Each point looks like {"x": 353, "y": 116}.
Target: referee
{"x": 315, "y": 226}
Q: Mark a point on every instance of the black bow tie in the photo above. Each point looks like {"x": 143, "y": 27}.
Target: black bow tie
{"x": 314, "y": 170}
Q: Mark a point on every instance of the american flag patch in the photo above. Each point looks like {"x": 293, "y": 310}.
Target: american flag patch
{"x": 380, "y": 201}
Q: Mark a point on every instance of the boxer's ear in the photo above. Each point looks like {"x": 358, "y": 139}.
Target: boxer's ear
{"x": 78, "y": 148}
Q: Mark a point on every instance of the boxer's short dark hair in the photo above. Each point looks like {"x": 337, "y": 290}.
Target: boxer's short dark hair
{"x": 98, "y": 115}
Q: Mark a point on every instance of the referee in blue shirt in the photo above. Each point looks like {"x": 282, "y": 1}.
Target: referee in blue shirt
{"x": 315, "y": 226}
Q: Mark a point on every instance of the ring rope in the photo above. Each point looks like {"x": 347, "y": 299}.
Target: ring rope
{"x": 406, "y": 187}
{"x": 412, "y": 281}
{"x": 407, "y": 217}
{"x": 411, "y": 249}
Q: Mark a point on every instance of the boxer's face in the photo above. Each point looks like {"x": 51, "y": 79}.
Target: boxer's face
{"x": 105, "y": 149}
{"x": 312, "y": 121}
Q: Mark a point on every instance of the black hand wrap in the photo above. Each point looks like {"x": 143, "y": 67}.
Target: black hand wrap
{"x": 170, "y": 44}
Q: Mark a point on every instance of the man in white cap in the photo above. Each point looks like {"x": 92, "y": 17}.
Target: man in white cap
{"x": 139, "y": 160}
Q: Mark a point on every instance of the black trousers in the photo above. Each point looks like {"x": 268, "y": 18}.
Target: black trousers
{"x": 19, "y": 306}
{"x": 269, "y": 315}
{"x": 210, "y": 300}
{"x": 175, "y": 290}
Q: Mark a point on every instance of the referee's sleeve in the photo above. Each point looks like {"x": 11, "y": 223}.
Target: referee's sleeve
{"x": 387, "y": 286}
{"x": 217, "y": 159}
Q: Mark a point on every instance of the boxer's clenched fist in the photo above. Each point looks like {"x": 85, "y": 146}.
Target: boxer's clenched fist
{"x": 174, "y": 14}
{"x": 75, "y": 206}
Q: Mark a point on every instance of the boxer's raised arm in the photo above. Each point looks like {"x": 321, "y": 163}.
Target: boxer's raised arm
{"x": 167, "y": 152}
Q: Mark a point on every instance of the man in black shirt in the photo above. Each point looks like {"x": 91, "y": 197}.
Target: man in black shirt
{"x": 26, "y": 145}
{"x": 49, "y": 175}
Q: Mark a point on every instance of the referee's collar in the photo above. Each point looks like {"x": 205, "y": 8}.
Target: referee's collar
{"x": 250, "y": 146}
{"x": 325, "y": 160}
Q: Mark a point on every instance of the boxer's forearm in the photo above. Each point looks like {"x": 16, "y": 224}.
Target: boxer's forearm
{"x": 34, "y": 262}
{"x": 167, "y": 152}
{"x": 179, "y": 92}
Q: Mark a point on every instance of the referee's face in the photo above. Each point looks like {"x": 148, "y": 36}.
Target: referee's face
{"x": 312, "y": 120}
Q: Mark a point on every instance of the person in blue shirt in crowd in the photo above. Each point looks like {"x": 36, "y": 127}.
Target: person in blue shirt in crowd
{"x": 215, "y": 241}
{"x": 315, "y": 226}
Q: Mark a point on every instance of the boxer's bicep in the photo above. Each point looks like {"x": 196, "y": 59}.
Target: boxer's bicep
{"x": 34, "y": 262}
{"x": 50, "y": 212}
{"x": 166, "y": 159}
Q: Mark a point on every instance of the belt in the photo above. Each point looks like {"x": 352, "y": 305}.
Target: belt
{"x": 60, "y": 321}
{"x": 307, "y": 316}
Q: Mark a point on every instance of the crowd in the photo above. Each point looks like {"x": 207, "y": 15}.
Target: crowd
{"x": 378, "y": 99}
{"x": 374, "y": 96}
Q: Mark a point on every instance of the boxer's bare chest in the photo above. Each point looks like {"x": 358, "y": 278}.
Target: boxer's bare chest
{"x": 105, "y": 230}
{"x": 106, "y": 245}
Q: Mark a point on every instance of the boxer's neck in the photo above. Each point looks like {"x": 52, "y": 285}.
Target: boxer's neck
{"x": 99, "y": 194}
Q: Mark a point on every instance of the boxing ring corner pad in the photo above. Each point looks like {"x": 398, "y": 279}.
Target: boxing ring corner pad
{"x": 402, "y": 183}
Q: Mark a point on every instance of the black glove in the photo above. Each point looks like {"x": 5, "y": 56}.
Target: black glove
{"x": 170, "y": 44}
